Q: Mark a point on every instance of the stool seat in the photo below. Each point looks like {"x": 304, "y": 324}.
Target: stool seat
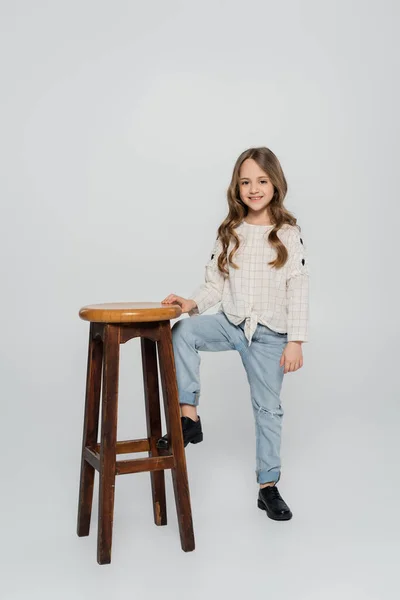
{"x": 129, "y": 312}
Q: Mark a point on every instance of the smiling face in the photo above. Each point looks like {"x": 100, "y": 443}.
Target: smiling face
{"x": 256, "y": 190}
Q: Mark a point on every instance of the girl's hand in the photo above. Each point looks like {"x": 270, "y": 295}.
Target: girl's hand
{"x": 185, "y": 304}
{"x": 292, "y": 357}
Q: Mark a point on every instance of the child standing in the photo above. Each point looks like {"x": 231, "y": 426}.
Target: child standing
{"x": 259, "y": 272}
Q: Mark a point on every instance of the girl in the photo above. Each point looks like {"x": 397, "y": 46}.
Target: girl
{"x": 259, "y": 271}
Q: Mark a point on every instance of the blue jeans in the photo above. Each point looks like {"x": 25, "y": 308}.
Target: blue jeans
{"x": 215, "y": 333}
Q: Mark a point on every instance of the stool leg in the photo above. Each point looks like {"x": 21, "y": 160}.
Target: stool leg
{"x": 109, "y": 413}
{"x": 174, "y": 430}
{"x": 153, "y": 421}
{"x": 90, "y": 430}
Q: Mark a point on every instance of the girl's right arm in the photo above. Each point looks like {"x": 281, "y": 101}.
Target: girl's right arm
{"x": 208, "y": 293}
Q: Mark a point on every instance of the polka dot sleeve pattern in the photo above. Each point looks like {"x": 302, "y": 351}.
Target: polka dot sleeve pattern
{"x": 297, "y": 289}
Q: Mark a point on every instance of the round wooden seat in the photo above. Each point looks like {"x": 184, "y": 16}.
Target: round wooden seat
{"x": 130, "y": 312}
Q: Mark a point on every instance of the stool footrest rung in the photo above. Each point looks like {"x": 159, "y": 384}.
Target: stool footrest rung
{"x": 134, "y": 465}
{"x": 129, "y": 446}
{"x": 152, "y": 463}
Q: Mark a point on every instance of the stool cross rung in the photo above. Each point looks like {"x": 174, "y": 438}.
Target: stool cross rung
{"x": 134, "y": 465}
{"x": 129, "y": 446}
{"x": 151, "y": 463}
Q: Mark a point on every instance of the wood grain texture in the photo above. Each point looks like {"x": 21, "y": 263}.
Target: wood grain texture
{"x": 128, "y": 312}
{"x": 174, "y": 430}
{"x": 109, "y": 410}
{"x": 105, "y": 340}
{"x": 148, "y": 330}
{"x": 129, "y": 446}
{"x": 154, "y": 464}
{"x": 90, "y": 430}
{"x": 153, "y": 424}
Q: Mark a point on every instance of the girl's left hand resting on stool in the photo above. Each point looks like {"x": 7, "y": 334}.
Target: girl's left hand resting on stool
{"x": 292, "y": 357}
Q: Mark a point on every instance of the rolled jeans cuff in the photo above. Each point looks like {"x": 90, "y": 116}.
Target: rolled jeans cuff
{"x": 265, "y": 476}
{"x": 189, "y": 398}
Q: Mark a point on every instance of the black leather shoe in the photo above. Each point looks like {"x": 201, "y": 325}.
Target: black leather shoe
{"x": 270, "y": 500}
{"x": 191, "y": 430}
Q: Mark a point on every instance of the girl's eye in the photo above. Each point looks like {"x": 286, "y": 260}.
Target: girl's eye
{"x": 262, "y": 181}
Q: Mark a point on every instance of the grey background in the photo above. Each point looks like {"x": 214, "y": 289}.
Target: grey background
{"x": 121, "y": 122}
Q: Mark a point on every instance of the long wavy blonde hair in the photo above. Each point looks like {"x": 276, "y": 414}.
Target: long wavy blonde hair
{"x": 278, "y": 214}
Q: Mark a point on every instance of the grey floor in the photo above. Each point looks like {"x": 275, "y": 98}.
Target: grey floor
{"x": 339, "y": 476}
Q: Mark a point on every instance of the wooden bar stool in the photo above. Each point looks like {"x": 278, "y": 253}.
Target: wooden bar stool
{"x": 110, "y": 326}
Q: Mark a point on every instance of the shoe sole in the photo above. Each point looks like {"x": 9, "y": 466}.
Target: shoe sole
{"x": 196, "y": 440}
{"x": 272, "y": 515}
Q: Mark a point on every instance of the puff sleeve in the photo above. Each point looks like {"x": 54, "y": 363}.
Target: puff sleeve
{"x": 209, "y": 293}
{"x": 297, "y": 288}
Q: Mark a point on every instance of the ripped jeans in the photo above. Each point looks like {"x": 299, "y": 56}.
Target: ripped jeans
{"x": 215, "y": 333}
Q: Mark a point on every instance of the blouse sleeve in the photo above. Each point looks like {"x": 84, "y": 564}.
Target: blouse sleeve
{"x": 297, "y": 289}
{"x": 209, "y": 293}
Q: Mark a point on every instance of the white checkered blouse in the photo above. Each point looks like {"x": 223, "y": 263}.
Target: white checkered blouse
{"x": 257, "y": 292}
